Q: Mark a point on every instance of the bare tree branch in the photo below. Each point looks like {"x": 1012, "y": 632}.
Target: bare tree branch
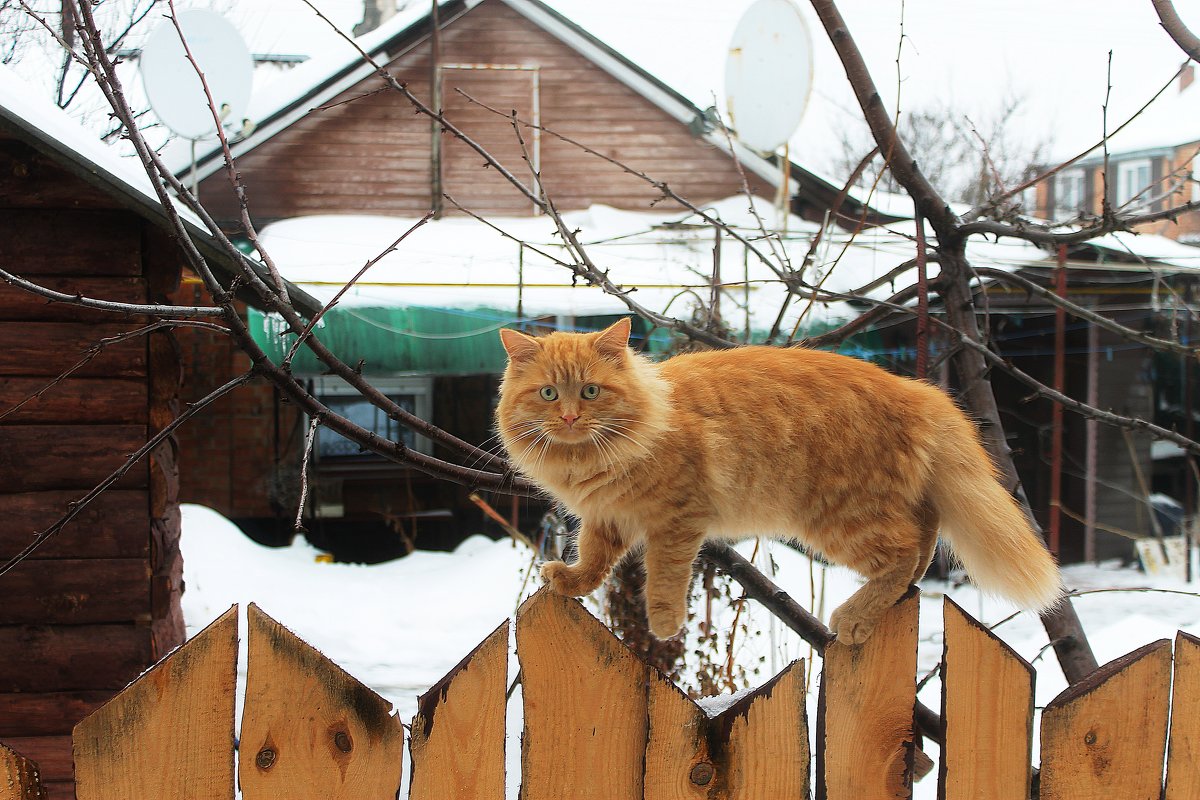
{"x": 135, "y": 309}
{"x": 1173, "y": 25}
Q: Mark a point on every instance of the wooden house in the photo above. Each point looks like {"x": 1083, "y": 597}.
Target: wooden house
{"x": 332, "y": 139}
{"x": 1153, "y": 164}
{"x": 99, "y": 602}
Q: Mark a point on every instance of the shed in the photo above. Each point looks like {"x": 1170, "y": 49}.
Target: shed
{"x": 99, "y": 602}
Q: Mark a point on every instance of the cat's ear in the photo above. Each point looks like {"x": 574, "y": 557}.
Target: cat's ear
{"x": 519, "y": 346}
{"x": 613, "y": 340}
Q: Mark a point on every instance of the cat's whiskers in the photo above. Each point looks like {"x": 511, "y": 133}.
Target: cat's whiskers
{"x": 622, "y": 432}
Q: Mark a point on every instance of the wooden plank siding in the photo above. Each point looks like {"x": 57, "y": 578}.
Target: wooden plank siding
{"x": 372, "y": 154}
{"x": 95, "y": 606}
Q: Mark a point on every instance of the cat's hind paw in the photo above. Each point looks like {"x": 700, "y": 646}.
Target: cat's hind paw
{"x": 852, "y": 628}
{"x": 566, "y": 580}
{"x": 665, "y": 622}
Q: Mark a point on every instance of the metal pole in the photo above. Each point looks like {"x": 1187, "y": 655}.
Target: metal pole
{"x": 1056, "y": 420}
{"x": 1092, "y": 429}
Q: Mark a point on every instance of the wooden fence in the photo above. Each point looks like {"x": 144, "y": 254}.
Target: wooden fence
{"x": 600, "y": 725}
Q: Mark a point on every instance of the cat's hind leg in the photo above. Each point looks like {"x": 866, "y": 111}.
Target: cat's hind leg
{"x": 599, "y": 547}
{"x": 669, "y": 558}
{"x": 889, "y": 562}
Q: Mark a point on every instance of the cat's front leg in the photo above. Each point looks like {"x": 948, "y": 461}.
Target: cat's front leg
{"x": 669, "y": 558}
{"x": 599, "y": 546}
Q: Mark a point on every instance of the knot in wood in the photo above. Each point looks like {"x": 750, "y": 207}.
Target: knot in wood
{"x": 265, "y": 758}
{"x": 701, "y": 774}
{"x": 342, "y": 740}
{"x": 1089, "y": 738}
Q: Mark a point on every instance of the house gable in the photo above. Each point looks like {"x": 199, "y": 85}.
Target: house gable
{"x": 368, "y": 151}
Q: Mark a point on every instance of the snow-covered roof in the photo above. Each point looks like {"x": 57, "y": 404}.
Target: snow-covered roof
{"x": 667, "y": 256}
{"x": 1148, "y": 248}
{"x": 49, "y": 129}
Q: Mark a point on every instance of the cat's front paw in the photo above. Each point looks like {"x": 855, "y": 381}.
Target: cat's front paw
{"x": 665, "y": 621}
{"x": 851, "y": 626}
{"x": 565, "y": 579}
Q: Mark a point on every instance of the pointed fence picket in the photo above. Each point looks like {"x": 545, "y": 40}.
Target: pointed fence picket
{"x": 600, "y": 724}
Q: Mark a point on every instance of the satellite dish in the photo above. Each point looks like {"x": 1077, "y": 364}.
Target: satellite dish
{"x": 768, "y": 74}
{"x": 174, "y": 89}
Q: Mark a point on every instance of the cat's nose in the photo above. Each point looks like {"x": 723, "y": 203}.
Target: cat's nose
{"x": 570, "y": 419}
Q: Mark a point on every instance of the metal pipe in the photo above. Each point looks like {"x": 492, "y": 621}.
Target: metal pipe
{"x": 1056, "y": 419}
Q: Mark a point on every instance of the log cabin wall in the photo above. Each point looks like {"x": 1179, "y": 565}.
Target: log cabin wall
{"x": 99, "y": 603}
{"x": 369, "y": 152}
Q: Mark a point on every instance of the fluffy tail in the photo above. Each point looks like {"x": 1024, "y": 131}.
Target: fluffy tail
{"x": 985, "y": 527}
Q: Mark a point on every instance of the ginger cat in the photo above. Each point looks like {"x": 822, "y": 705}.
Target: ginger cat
{"x": 858, "y": 464}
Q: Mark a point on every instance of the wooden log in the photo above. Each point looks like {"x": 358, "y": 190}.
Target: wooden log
{"x": 1183, "y": 759}
{"x": 47, "y": 713}
{"x": 170, "y": 733}
{"x": 76, "y": 592}
{"x": 457, "y": 738}
{"x": 19, "y": 777}
{"x": 1106, "y": 735}
{"x": 988, "y": 711}
{"x": 94, "y": 243}
{"x": 756, "y": 748}
{"x": 74, "y": 400}
{"x": 114, "y": 525}
{"x": 309, "y": 729}
{"x": 30, "y": 180}
{"x": 42, "y": 457}
{"x": 52, "y": 658}
{"x": 584, "y": 695}
{"x": 865, "y": 711}
{"x": 49, "y": 349}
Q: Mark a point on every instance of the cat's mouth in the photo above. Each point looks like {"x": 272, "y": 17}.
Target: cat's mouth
{"x": 571, "y": 434}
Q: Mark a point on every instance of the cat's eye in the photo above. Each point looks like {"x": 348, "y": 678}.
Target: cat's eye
{"x": 549, "y": 393}
{"x": 590, "y": 392}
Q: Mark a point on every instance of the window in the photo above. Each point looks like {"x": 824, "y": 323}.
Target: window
{"x": 1069, "y": 192}
{"x": 412, "y": 393}
{"x": 1133, "y": 178}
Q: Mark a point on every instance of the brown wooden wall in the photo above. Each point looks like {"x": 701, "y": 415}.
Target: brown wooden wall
{"x": 372, "y": 155}
{"x": 100, "y": 602}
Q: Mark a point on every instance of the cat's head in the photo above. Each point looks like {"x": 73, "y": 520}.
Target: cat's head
{"x": 586, "y": 393}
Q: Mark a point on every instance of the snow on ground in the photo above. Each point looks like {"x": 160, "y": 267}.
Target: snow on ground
{"x": 400, "y": 626}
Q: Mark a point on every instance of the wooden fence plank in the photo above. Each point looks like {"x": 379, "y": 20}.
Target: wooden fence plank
{"x": 18, "y": 777}
{"x": 585, "y": 705}
{"x": 309, "y": 729}
{"x": 457, "y": 739}
{"x": 756, "y": 748}
{"x": 170, "y": 732}
{"x": 865, "y": 714}
{"x": 988, "y": 713}
{"x": 1183, "y": 762}
{"x": 1106, "y": 735}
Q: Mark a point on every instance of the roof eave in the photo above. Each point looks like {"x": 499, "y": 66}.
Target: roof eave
{"x": 132, "y": 199}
